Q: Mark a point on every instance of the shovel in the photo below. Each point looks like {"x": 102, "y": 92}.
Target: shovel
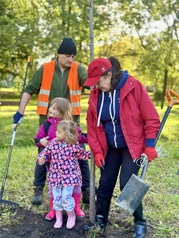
{"x": 3, "y": 201}
{"x": 135, "y": 189}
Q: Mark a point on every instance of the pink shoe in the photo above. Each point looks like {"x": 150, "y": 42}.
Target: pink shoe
{"x": 77, "y": 209}
{"x": 79, "y": 213}
{"x": 71, "y": 220}
{"x": 51, "y": 214}
{"x": 59, "y": 219}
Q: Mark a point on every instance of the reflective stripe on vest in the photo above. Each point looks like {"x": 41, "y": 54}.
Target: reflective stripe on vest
{"x": 75, "y": 89}
{"x": 72, "y": 82}
{"x": 43, "y": 97}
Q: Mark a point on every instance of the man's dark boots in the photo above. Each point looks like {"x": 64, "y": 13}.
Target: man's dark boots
{"x": 86, "y": 195}
{"x": 38, "y": 193}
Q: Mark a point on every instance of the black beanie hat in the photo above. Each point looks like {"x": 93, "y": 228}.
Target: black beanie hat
{"x": 67, "y": 47}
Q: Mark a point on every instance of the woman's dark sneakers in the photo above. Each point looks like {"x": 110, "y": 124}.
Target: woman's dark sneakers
{"x": 140, "y": 230}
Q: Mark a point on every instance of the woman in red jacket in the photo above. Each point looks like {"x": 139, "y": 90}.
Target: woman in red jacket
{"x": 122, "y": 123}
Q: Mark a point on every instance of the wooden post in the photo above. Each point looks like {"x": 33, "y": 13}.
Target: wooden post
{"x": 92, "y": 167}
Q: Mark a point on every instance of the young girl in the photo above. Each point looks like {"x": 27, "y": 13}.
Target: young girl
{"x": 60, "y": 109}
{"x": 63, "y": 153}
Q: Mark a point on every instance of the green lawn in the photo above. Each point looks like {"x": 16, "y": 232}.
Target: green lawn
{"x": 161, "y": 201}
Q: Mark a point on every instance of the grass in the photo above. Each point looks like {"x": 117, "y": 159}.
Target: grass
{"x": 161, "y": 201}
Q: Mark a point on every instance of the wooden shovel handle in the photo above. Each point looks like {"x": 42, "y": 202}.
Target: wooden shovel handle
{"x": 171, "y": 100}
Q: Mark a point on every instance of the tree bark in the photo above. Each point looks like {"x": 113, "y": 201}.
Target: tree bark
{"x": 164, "y": 87}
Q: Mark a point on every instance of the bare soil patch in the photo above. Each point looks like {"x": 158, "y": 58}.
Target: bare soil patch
{"x": 24, "y": 223}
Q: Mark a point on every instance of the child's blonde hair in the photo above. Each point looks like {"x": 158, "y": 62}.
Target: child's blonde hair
{"x": 69, "y": 129}
{"x": 64, "y": 108}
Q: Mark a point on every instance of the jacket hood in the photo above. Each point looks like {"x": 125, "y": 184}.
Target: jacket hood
{"x": 53, "y": 120}
{"x": 122, "y": 81}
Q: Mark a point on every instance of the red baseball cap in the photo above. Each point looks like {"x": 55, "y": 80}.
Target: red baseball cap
{"x": 95, "y": 69}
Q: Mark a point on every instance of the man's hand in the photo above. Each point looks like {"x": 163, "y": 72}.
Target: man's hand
{"x": 17, "y": 119}
{"x": 40, "y": 161}
{"x": 99, "y": 161}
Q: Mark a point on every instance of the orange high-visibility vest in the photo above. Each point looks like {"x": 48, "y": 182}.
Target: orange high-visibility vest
{"x": 72, "y": 82}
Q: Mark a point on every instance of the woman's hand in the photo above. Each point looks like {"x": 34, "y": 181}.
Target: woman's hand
{"x": 151, "y": 153}
{"x": 99, "y": 161}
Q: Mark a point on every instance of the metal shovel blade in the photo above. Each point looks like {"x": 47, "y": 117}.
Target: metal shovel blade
{"x": 6, "y": 202}
{"x": 132, "y": 194}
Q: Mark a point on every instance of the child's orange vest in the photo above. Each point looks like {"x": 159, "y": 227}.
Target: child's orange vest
{"x": 72, "y": 82}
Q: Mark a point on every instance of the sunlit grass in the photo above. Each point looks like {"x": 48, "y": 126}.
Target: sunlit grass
{"x": 161, "y": 201}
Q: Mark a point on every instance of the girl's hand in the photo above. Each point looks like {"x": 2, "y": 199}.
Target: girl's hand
{"x": 44, "y": 141}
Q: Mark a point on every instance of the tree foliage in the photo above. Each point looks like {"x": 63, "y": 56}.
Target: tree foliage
{"x": 36, "y": 28}
{"x": 143, "y": 34}
{"x": 156, "y": 24}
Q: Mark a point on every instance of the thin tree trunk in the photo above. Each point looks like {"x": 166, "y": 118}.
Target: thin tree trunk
{"x": 92, "y": 168}
{"x": 164, "y": 87}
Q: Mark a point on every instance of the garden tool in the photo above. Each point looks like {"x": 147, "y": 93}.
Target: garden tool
{"x": 136, "y": 188}
{"x": 11, "y": 147}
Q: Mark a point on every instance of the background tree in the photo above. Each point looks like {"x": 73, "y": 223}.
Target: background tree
{"x": 37, "y": 27}
{"x": 156, "y": 24}
{"x": 142, "y": 34}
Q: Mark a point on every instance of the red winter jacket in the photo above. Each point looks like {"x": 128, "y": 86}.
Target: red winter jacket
{"x": 138, "y": 117}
